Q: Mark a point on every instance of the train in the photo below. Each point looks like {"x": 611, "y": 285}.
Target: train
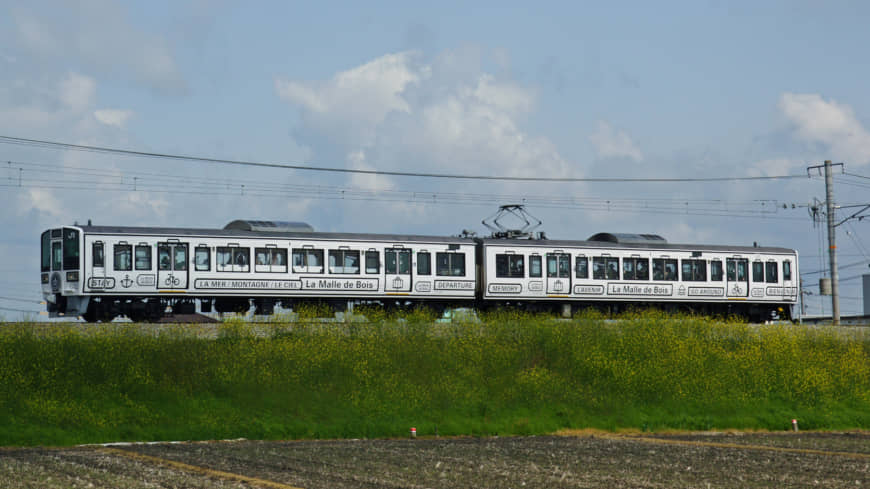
{"x": 99, "y": 272}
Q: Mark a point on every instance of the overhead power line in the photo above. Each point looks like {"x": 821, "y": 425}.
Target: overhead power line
{"x": 145, "y": 154}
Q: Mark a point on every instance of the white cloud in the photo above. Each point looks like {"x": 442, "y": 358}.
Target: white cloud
{"x": 827, "y": 122}
{"x": 77, "y": 91}
{"x": 610, "y": 142}
{"x": 113, "y": 117}
{"x": 99, "y": 34}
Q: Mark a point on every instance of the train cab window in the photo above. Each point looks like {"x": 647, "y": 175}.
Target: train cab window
{"x": 373, "y": 262}
{"x": 665, "y": 269}
{"x": 581, "y": 267}
{"x": 99, "y": 256}
{"x": 123, "y": 257}
{"x": 770, "y": 272}
{"x": 694, "y": 270}
{"x": 143, "y": 257}
{"x": 46, "y": 252}
{"x": 786, "y": 270}
{"x": 70, "y": 249}
{"x": 450, "y": 264}
{"x": 202, "y": 259}
{"x": 510, "y": 266}
{"x": 56, "y": 256}
{"x": 535, "y": 268}
{"x": 757, "y": 271}
{"x": 344, "y": 261}
{"x": 307, "y": 260}
{"x": 424, "y": 263}
{"x": 716, "y": 270}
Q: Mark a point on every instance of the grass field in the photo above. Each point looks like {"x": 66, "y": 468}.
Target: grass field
{"x": 508, "y": 373}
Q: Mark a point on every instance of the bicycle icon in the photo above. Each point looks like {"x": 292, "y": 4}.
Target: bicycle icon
{"x": 172, "y": 280}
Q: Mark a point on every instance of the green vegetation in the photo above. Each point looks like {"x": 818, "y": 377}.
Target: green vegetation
{"x": 508, "y": 373}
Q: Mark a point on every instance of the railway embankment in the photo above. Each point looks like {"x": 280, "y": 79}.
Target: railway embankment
{"x": 502, "y": 374}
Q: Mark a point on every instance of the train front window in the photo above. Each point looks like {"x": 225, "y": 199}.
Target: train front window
{"x": 70, "y": 249}
{"x": 786, "y": 270}
{"x": 56, "y": 256}
{"x": 46, "y": 252}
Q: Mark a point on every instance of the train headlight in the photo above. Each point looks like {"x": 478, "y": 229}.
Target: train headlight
{"x": 45, "y": 278}
{"x": 72, "y": 276}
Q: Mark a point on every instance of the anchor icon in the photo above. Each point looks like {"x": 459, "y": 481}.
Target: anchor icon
{"x": 126, "y": 283}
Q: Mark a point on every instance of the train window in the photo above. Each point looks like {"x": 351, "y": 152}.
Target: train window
{"x": 46, "y": 252}
{"x": 143, "y": 257}
{"x": 98, "y": 255}
{"x": 307, "y": 260}
{"x": 224, "y": 259}
{"x": 70, "y": 249}
{"x": 202, "y": 259}
{"x": 164, "y": 262}
{"x": 373, "y": 262}
{"x": 123, "y": 257}
{"x": 535, "y": 269}
{"x": 771, "y": 272}
{"x": 424, "y": 263}
{"x": 229, "y": 259}
{"x": 786, "y": 270}
{"x": 605, "y": 268}
{"x": 757, "y": 271}
{"x": 56, "y": 256}
{"x": 450, "y": 264}
{"x": 665, "y": 269}
{"x": 716, "y": 270}
{"x": 581, "y": 267}
{"x": 732, "y": 270}
{"x": 344, "y": 261}
{"x": 598, "y": 265}
{"x": 742, "y": 270}
{"x": 181, "y": 257}
{"x": 405, "y": 262}
{"x": 270, "y": 260}
{"x": 558, "y": 265}
{"x": 510, "y": 266}
{"x": 635, "y": 269}
{"x": 641, "y": 269}
{"x": 694, "y": 270}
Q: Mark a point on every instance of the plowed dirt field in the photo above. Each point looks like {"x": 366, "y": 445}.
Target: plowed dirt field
{"x": 788, "y": 460}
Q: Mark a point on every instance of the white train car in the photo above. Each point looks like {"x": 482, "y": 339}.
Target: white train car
{"x": 615, "y": 271}
{"x": 101, "y": 272}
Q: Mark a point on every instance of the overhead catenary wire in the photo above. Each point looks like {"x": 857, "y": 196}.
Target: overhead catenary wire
{"x": 287, "y": 166}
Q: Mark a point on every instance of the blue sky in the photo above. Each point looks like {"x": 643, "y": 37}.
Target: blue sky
{"x": 562, "y": 89}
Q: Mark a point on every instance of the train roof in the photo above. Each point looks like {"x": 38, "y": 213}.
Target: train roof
{"x": 646, "y": 245}
{"x": 243, "y": 233}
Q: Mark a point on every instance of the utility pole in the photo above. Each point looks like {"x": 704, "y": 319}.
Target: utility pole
{"x": 832, "y": 244}
{"x": 832, "y": 238}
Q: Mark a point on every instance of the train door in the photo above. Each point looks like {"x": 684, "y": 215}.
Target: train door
{"x": 172, "y": 265}
{"x": 558, "y": 273}
{"x": 737, "y": 275}
{"x": 98, "y": 263}
{"x": 397, "y": 270}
